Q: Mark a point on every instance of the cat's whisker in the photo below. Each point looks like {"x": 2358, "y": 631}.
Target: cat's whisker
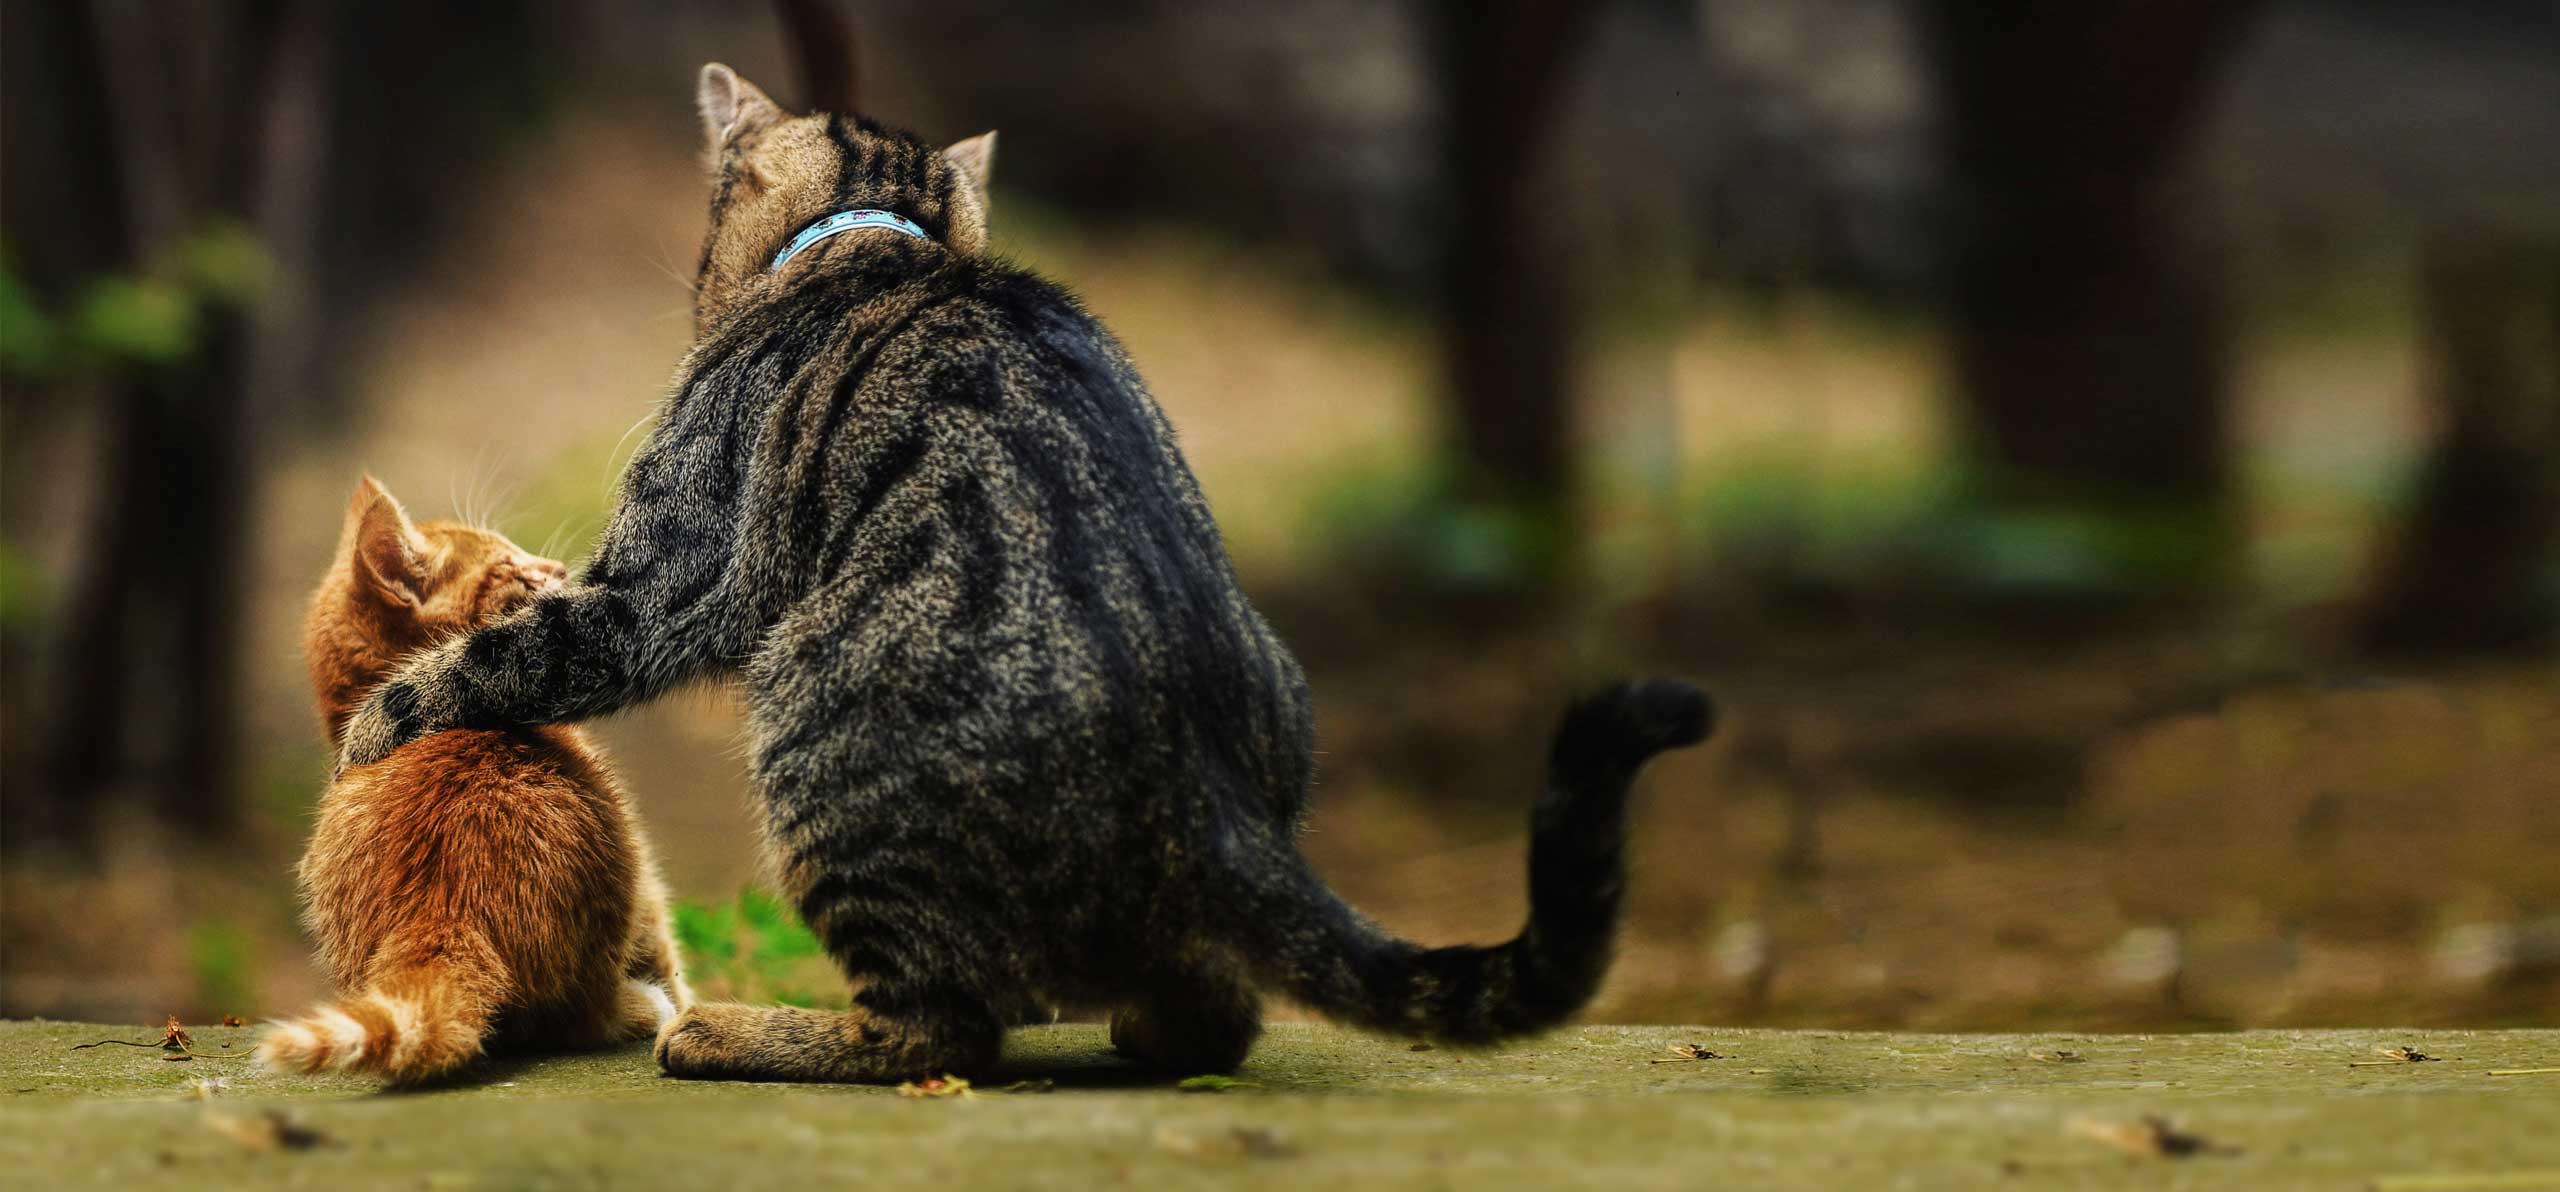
{"x": 502, "y": 500}
{"x": 614, "y": 460}
{"x": 660, "y": 263}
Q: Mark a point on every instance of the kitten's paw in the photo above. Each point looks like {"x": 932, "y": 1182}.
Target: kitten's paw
{"x": 643, "y": 1009}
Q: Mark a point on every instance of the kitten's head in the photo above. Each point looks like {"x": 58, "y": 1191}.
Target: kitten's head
{"x": 398, "y": 586}
{"x": 774, "y": 173}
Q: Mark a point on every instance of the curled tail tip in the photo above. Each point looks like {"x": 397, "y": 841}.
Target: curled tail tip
{"x": 293, "y": 1046}
{"x": 406, "y": 1041}
{"x": 1633, "y": 720}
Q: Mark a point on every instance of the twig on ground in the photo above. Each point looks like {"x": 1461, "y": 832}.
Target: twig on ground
{"x": 173, "y": 1039}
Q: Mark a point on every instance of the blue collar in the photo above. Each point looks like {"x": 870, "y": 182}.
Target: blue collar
{"x": 845, "y": 221}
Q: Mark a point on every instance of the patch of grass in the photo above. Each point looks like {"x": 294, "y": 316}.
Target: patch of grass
{"x": 754, "y": 948}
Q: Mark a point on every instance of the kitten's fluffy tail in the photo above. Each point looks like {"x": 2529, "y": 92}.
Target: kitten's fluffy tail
{"x": 1306, "y": 942}
{"x": 406, "y": 1027}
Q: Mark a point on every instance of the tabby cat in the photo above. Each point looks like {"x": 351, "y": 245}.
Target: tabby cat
{"x": 479, "y": 887}
{"x": 1019, "y": 738}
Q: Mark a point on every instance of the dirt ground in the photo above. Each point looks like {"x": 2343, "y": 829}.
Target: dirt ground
{"x": 1590, "y": 1107}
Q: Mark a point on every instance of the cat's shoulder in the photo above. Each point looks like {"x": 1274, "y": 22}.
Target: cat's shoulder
{"x": 1017, "y": 294}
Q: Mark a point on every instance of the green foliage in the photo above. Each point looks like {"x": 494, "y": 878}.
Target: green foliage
{"x": 564, "y": 503}
{"x": 224, "y": 263}
{"x": 152, "y": 318}
{"x": 1935, "y": 528}
{"x": 1410, "y": 519}
{"x": 1212, "y": 1083}
{"x": 21, "y": 588}
{"x": 218, "y": 955}
{"x": 754, "y": 948}
{"x": 27, "y": 334}
{"x": 136, "y": 319}
{"x": 1776, "y": 519}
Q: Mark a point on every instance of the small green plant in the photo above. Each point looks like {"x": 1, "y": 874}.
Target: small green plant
{"x": 1212, "y": 1083}
{"x": 755, "y": 949}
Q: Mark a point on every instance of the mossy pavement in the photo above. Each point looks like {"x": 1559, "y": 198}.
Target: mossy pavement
{"x": 1599, "y": 1106}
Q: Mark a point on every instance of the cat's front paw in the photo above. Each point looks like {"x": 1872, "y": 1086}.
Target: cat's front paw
{"x": 707, "y": 1040}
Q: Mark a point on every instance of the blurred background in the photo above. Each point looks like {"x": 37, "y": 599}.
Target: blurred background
{"x": 2104, "y": 456}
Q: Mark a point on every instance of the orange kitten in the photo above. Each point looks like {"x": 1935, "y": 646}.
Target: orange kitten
{"x": 476, "y": 888}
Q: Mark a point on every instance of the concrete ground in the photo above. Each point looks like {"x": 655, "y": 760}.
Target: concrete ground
{"x": 1599, "y": 1107}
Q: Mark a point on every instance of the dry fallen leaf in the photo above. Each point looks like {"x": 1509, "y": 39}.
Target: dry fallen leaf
{"x": 175, "y": 1037}
{"x": 232, "y": 1020}
{"x": 1234, "y": 1142}
{"x": 935, "y": 1086}
{"x": 2397, "y": 1056}
{"x": 1691, "y": 1051}
{"x": 2151, "y": 1138}
{"x": 266, "y": 1130}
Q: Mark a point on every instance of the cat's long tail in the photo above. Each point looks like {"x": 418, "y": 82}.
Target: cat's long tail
{"x": 1325, "y": 955}
{"x": 413, "y": 1024}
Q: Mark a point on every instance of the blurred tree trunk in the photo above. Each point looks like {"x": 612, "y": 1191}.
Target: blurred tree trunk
{"x": 216, "y": 152}
{"x": 2090, "y": 346}
{"x": 1508, "y": 296}
{"x": 148, "y": 693}
{"x": 53, "y": 167}
{"x": 2474, "y": 569}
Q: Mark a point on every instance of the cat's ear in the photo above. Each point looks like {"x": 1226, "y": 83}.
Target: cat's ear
{"x": 976, "y": 160}
{"x": 384, "y": 547}
{"x": 732, "y": 107}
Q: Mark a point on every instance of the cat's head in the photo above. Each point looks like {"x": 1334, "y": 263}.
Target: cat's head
{"x": 397, "y": 586}
{"x": 774, "y": 173}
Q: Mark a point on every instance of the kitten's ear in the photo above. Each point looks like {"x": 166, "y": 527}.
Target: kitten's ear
{"x": 976, "y": 159}
{"x": 732, "y": 106}
{"x": 384, "y": 547}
